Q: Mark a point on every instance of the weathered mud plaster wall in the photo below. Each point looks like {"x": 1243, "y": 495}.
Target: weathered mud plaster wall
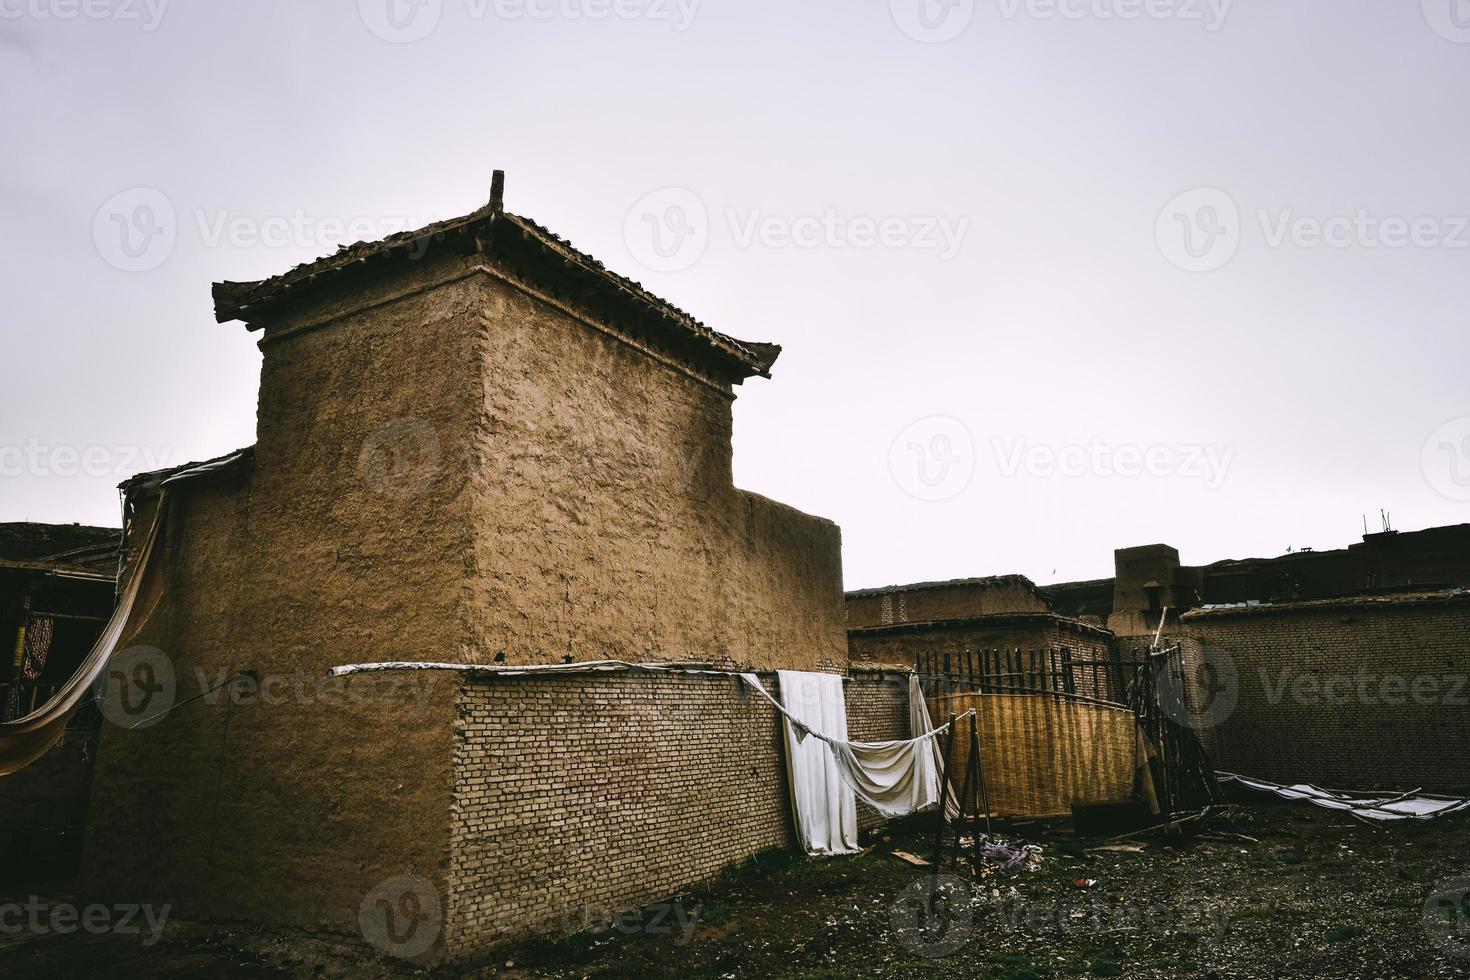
{"x": 1348, "y": 693}
{"x": 446, "y": 470}
{"x": 581, "y": 795}
{"x": 286, "y": 809}
{"x": 605, "y": 520}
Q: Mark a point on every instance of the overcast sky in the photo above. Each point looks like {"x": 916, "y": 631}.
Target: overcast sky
{"x": 1052, "y": 278}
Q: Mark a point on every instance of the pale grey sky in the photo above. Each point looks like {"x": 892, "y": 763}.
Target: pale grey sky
{"x": 1052, "y": 276}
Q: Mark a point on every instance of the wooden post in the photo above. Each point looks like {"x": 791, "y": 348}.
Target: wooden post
{"x": 980, "y": 779}
{"x": 943, "y": 800}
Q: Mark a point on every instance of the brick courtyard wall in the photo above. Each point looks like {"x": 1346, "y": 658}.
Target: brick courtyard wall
{"x": 581, "y": 795}
{"x": 1351, "y": 694}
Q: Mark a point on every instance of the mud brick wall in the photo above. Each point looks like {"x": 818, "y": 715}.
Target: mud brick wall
{"x": 589, "y": 793}
{"x": 1356, "y": 694}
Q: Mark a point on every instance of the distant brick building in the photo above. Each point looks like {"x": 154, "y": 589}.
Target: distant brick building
{"x": 1358, "y": 692}
{"x": 1149, "y": 578}
{"x": 902, "y": 623}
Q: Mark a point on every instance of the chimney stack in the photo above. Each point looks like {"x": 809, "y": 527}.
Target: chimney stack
{"x": 497, "y": 191}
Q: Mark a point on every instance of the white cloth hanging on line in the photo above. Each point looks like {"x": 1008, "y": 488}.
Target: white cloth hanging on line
{"x": 822, "y": 803}
{"x": 828, "y": 773}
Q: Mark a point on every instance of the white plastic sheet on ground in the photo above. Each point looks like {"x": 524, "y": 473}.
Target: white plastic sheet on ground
{"x": 1412, "y": 805}
{"x": 828, "y": 773}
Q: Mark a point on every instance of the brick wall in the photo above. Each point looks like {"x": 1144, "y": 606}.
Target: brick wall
{"x": 1351, "y": 693}
{"x": 589, "y": 793}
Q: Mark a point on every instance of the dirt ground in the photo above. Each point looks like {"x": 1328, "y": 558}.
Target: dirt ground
{"x": 1280, "y": 890}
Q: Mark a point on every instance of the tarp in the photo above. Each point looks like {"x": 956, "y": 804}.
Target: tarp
{"x": 27, "y": 738}
{"x": 1412, "y": 805}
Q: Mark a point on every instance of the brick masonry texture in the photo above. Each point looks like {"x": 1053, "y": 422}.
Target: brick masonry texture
{"x": 1327, "y": 693}
{"x": 585, "y": 794}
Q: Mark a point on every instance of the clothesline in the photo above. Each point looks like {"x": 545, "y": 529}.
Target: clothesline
{"x": 806, "y": 729}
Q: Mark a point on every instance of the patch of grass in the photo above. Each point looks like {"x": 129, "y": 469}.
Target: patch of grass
{"x": 1342, "y": 931}
{"x": 1010, "y": 966}
{"x": 1100, "y": 967}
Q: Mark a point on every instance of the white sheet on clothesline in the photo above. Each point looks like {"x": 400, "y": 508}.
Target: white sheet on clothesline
{"x": 828, "y": 773}
{"x": 823, "y": 805}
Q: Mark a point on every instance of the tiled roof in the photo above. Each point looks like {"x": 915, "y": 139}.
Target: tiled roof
{"x": 499, "y": 235}
{"x": 990, "y": 581}
{"x": 60, "y": 547}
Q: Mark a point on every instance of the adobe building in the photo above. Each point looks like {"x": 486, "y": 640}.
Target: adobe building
{"x": 475, "y": 446}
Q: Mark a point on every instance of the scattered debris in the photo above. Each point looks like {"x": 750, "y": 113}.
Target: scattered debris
{"x": 913, "y": 859}
{"x": 1412, "y": 805}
